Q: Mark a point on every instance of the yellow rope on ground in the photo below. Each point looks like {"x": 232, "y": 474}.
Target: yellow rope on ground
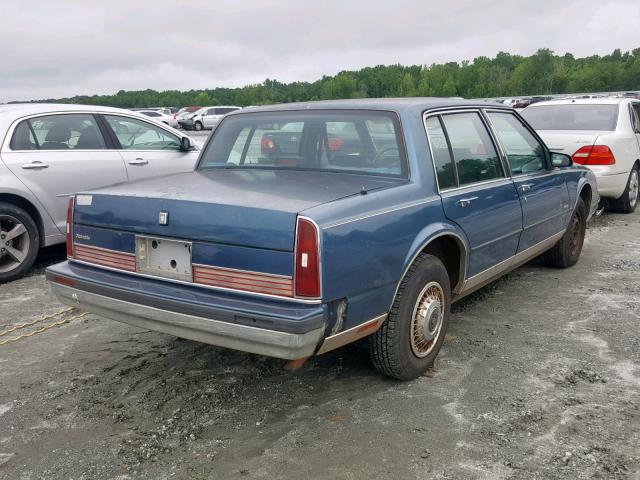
{"x": 45, "y": 328}
{"x": 32, "y": 322}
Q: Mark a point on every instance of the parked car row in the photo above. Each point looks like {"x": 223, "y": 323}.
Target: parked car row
{"x": 189, "y": 118}
{"x": 305, "y": 227}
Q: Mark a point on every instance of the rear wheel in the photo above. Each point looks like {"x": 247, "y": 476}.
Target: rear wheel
{"x": 19, "y": 242}
{"x": 567, "y": 251}
{"x": 409, "y": 340}
{"x": 197, "y": 126}
{"x": 629, "y": 200}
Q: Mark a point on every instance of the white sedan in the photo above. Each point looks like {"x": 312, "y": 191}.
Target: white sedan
{"x": 160, "y": 116}
{"x": 50, "y": 151}
{"x": 602, "y": 134}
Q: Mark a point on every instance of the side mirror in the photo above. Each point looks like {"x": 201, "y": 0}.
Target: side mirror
{"x": 186, "y": 145}
{"x": 561, "y": 159}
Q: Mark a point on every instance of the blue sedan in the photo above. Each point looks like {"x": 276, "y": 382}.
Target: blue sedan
{"x": 308, "y": 226}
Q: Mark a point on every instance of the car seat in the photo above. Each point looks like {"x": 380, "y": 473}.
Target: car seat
{"x": 57, "y": 138}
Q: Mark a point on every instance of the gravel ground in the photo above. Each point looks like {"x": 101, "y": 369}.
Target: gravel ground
{"x": 539, "y": 378}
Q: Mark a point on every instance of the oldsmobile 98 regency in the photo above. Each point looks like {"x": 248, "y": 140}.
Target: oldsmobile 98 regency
{"x": 309, "y": 226}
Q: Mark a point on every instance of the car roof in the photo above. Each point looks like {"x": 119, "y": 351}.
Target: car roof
{"x": 582, "y": 101}
{"x": 400, "y": 104}
{"x": 14, "y": 111}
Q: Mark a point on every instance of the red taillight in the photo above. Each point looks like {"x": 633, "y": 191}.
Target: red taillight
{"x": 307, "y": 276}
{"x": 594, "y": 155}
{"x": 72, "y": 201}
{"x": 267, "y": 145}
{"x": 335, "y": 143}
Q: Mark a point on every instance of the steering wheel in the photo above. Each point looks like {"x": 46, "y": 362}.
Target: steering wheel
{"x": 384, "y": 152}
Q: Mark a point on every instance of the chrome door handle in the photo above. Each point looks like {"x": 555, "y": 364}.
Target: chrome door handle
{"x": 525, "y": 187}
{"x": 35, "y": 166}
{"x": 465, "y": 202}
{"x": 138, "y": 161}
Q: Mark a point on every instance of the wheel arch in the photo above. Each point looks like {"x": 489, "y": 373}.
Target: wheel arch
{"x": 29, "y": 207}
{"x": 450, "y": 245}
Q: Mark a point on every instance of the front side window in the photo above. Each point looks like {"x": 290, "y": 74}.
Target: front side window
{"x": 134, "y": 134}
{"x": 473, "y": 151}
{"x": 61, "y": 132}
{"x": 524, "y": 153}
{"x": 345, "y": 141}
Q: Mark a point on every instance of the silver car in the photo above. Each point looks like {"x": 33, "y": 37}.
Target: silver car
{"x": 49, "y": 151}
{"x": 206, "y": 117}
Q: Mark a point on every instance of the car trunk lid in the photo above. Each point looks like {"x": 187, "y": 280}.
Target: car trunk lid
{"x": 256, "y": 208}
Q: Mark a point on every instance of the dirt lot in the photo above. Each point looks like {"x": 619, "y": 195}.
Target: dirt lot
{"x": 539, "y": 378}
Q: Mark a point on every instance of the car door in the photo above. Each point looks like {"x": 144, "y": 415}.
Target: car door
{"x": 542, "y": 189}
{"x": 210, "y": 118}
{"x": 635, "y": 123}
{"x": 475, "y": 190}
{"x": 57, "y": 155}
{"x": 149, "y": 150}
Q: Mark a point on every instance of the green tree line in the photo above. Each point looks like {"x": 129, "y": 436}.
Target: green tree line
{"x": 504, "y": 75}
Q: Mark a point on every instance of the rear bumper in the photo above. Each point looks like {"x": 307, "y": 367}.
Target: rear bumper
{"x": 610, "y": 184}
{"x": 283, "y": 331}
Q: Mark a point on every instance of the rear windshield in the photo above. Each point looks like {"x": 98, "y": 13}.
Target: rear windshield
{"x": 572, "y": 116}
{"x": 344, "y": 141}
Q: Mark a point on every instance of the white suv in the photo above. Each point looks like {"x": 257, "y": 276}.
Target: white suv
{"x": 48, "y": 152}
{"x": 602, "y": 134}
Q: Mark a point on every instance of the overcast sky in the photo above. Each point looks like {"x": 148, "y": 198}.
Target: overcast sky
{"x": 57, "y": 48}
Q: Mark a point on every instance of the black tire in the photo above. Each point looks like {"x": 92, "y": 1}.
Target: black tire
{"x": 197, "y": 126}
{"x": 28, "y": 242}
{"x": 628, "y": 202}
{"x": 567, "y": 251}
{"x": 391, "y": 347}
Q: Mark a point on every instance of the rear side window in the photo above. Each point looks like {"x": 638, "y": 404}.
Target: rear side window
{"x": 572, "y": 116}
{"x": 445, "y": 169}
{"x": 475, "y": 157}
{"x": 59, "y": 132}
{"x": 23, "y": 138}
{"x": 524, "y": 153}
{"x": 359, "y": 142}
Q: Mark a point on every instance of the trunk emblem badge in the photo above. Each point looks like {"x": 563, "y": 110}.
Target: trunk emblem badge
{"x": 163, "y": 218}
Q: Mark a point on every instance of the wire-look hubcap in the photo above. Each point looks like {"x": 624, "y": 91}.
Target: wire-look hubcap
{"x": 633, "y": 188}
{"x": 427, "y": 319}
{"x": 14, "y": 243}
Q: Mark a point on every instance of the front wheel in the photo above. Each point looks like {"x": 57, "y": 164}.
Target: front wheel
{"x": 567, "y": 251}
{"x": 629, "y": 200}
{"x": 19, "y": 242}
{"x": 197, "y": 126}
{"x": 409, "y": 340}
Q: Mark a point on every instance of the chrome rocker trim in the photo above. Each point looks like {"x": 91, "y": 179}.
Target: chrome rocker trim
{"x": 261, "y": 341}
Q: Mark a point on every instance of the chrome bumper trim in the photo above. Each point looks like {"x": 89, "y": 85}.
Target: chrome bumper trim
{"x": 271, "y": 343}
{"x": 348, "y": 336}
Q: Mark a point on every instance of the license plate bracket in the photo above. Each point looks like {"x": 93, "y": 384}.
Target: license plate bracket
{"x": 163, "y": 257}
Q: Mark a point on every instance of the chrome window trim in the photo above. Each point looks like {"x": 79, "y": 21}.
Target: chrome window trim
{"x": 9, "y": 135}
{"x": 506, "y": 174}
{"x": 400, "y": 134}
{"x": 6, "y": 146}
{"x": 528, "y": 128}
{"x": 158, "y": 125}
